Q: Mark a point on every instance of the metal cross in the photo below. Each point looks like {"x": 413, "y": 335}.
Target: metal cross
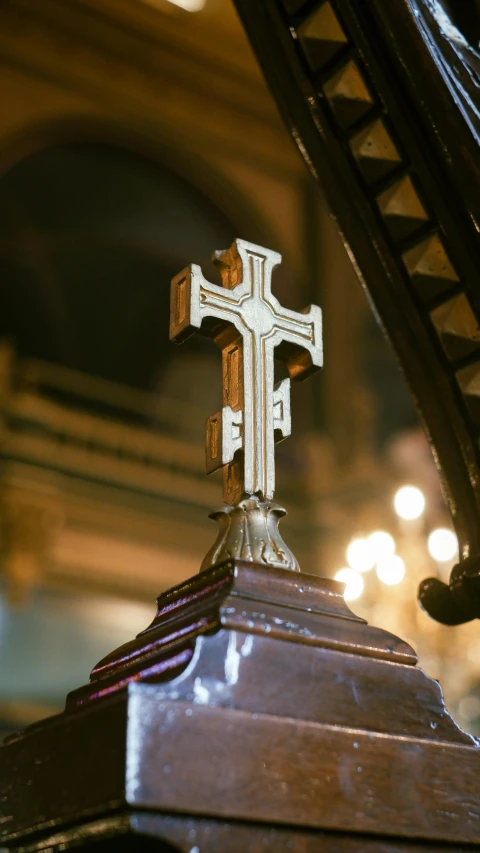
{"x": 251, "y": 328}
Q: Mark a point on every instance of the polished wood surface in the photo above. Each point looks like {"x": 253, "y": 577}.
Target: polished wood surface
{"x": 286, "y": 710}
{"x": 145, "y": 831}
{"x": 258, "y": 768}
{"x": 243, "y": 597}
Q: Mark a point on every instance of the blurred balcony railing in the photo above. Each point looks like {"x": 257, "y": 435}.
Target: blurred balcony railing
{"x": 104, "y": 485}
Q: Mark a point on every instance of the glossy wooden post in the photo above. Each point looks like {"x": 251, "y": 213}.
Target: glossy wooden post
{"x": 255, "y": 710}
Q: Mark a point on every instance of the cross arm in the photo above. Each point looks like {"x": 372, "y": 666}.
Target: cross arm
{"x": 301, "y": 348}
{"x": 185, "y": 304}
{"x": 198, "y": 305}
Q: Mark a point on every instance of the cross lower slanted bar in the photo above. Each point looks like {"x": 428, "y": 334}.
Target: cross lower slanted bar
{"x": 251, "y": 328}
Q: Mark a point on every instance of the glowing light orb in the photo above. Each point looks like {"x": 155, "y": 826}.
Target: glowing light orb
{"x": 381, "y": 545}
{"x": 360, "y": 555}
{"x": 409, "y": 503}
{"x": 353, "y": 583}
{"x": 442, "y": 545}
{"x": 391, "y": 570}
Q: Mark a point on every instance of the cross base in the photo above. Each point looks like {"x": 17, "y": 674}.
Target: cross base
{"x": 249, "y": 531}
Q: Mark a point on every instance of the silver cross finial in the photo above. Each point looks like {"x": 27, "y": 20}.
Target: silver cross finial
{"x": 251, "y": 328}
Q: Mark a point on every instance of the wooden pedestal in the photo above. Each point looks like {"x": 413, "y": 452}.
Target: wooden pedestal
{"x": 256, "y": 713}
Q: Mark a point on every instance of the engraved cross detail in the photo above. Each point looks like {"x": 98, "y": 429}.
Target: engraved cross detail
{"x": 251, "y": 328}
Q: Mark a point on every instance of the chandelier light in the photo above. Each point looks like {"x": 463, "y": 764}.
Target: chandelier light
{"x": 360, "y": 556}
{"x": 381, "y": 545}
{"x": 391, "y": 570}
{"x": 442, "y": 545}
{"x": 353, "y": 583}
{"x": 409, "y": 503}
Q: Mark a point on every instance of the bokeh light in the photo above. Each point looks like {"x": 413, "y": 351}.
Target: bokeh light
{"x": 442, "y": 545}
{"x": 409, "y": 503}
{"x": 391, "y": 570}
{"x": 360, "y": 555}
{"x": 353, "y": 583}
{"x": 381, "y": 545}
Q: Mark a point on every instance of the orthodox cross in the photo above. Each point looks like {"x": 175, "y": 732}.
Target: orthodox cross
{"x": 251, "y": 328}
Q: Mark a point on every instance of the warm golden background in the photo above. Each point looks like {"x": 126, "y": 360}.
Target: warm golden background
{"x": 136, "y": 137}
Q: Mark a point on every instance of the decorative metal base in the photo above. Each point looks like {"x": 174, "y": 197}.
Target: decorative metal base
{"x": 249, "y": 531}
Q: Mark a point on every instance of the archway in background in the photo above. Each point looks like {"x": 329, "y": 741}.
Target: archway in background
{"x": 90, "y": 237}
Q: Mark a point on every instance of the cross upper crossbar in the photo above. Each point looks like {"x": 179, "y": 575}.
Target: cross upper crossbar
{"x": 251, "y": 328}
